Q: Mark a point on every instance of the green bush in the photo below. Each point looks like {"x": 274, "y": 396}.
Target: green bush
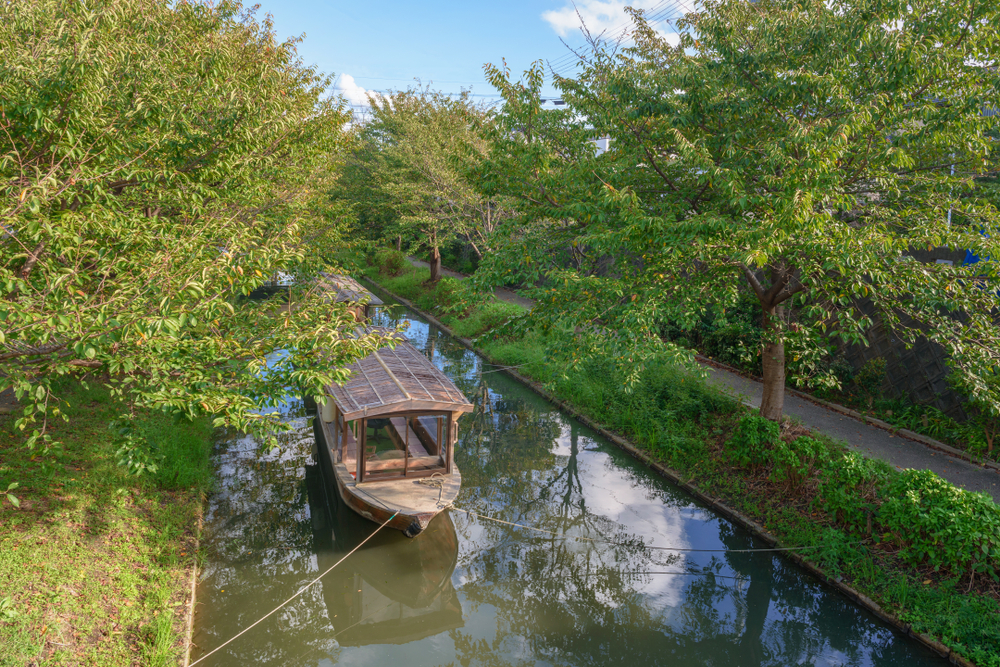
{"x": 797, "y": 461}
{"x": 450, "y": 296}
{"x": 940, "y": 524}
{"x": 849, "y": 488}
{"x": 753, "y": 441}
{"x": 391, "y": 262}
{"x": 870, "y": 378}
{"x": 841, "y": 369}
{"x": 490, "y": 316}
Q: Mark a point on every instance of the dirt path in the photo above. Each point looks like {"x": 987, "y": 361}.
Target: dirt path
{"x": 870, "y": 440}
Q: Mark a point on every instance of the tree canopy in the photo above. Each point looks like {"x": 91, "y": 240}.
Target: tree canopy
{"x": 412, "y": 159}
{"x": 159, "y": 161}
{"x": 799, "y": 151}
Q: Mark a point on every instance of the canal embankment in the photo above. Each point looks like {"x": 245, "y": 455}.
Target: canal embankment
{"x": 889, "y": 555}
{"x": 97, "y": 564}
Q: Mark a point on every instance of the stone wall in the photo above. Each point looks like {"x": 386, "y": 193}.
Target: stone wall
{"x": 919, "y": 373}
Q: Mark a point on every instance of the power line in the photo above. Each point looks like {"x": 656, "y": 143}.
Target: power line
{"x": 625, "y": 544}
{"x": 618, "y": 31}
{"x": 653, "y": 15}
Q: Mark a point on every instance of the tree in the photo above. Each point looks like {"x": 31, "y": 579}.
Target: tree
{"x": 799, "y": 151}
{"x": 412, "y": 157}
{"x": 159, "y": 161}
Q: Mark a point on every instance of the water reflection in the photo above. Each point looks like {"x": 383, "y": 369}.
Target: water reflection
{"x": 394, "y": 589}
{"x": 475, "y": 592}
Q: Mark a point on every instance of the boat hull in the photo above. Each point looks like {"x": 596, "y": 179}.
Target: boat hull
{"x": 408, "y": 505}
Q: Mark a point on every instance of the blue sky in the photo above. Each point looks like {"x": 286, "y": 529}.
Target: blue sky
{"x": 386, "y": 44}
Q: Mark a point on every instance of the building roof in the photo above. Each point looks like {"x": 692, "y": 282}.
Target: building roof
{"x": 397, "y": 379}
{"x": 344, "y": 288}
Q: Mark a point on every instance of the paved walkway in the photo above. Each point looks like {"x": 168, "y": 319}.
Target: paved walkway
{"x": 870, "y": 440}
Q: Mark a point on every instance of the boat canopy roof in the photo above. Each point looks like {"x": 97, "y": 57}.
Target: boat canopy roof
{"x": 396, "y": 379}
{"x": 344, "y": 288}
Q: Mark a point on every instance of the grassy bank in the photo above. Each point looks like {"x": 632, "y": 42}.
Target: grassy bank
{"x": 95, "y": 564}
{"x": 927, "y": 552}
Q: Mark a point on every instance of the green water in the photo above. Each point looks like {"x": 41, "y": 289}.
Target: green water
{"x": 476, "y": 592}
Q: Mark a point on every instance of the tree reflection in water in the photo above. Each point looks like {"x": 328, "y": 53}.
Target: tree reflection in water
{"x": 516, "y": 597}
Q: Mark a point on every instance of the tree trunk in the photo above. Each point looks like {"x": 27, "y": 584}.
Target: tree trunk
{"x": 399, "y": 244}
{"x": 772, "y": 401}
{"x": 435, "y": 265}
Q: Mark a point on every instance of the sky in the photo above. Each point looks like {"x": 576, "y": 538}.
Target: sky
{"x": 389, "y": 44}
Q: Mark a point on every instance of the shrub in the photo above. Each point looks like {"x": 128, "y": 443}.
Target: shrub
{"x": 450, "y": 296}
{"x": 870, "y": 378}
{"x": 753, "y": 441}
{"x": 849, "y": 488}
{"x": 841, "y": 369}
{"x": 938, "y": 523}
{"x": 797, "y": 461}
{"x": 391, "y": 262}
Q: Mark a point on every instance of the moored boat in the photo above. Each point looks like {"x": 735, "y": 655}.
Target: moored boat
{"x": 389, "y": 434}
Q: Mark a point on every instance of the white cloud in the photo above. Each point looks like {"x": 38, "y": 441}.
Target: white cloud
{"x": 354, "y": 93}
{"x": 598, "y": 15}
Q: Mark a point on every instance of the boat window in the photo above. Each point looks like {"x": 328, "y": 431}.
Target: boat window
{"x": 349, "y": 447}
{"x": 385, "y": 451}
{"x": 405, "y": 445}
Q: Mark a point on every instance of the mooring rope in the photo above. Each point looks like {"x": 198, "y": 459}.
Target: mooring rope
{"x": 625, "y": 544}
{"x": 301, "y": 591}
{"x": 505, "y": 368}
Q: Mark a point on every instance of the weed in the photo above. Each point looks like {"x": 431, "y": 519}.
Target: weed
{"x": 870, "y": 379}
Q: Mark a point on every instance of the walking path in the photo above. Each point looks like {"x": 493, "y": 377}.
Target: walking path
{"x": 870, "y": 440}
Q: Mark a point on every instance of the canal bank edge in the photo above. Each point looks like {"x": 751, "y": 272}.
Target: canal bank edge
{"x": 711, "y": 501}
{"x": 189, "y": 623}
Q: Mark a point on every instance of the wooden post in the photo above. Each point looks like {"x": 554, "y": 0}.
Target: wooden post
{"x": 362, "y": 440}
{"x": 338, "y": 436}
{"x": 452, "y": 437}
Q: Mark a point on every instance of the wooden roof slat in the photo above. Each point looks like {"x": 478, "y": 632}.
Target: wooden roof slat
{"x": 426, "y": 391}
{"x": 437, "y": 375}
{"x": 396, "y": 380}
{"x": 346, "y": 288}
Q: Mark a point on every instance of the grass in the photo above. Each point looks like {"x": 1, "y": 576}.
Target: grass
{"x": 95, "y": 565}
{"x": 688, "y": 426}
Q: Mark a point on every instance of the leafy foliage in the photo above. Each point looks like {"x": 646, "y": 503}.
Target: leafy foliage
{"x": 406, "y": 173}
{"x": 159, "y": 161}
{"x": 850, "y": 488}
{"x": 753, "y": 441}
{"x": 938, "y": 523}
{"x": 797, "y": 461}
{"x": 870, "y": 378}
{"x": 761, "y": 150}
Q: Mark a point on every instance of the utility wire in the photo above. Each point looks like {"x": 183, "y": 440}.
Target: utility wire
{"x": 301, "y": 591}
{"x": 652, "y": 16}
{"x": 625, "y": 544}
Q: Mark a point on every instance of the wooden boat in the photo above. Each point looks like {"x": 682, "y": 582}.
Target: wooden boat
{"x": 344, "y": 289}
{"x": 389, "y": 434}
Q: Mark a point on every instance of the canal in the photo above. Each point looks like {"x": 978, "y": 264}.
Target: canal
{"x": 474, "y": 592}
